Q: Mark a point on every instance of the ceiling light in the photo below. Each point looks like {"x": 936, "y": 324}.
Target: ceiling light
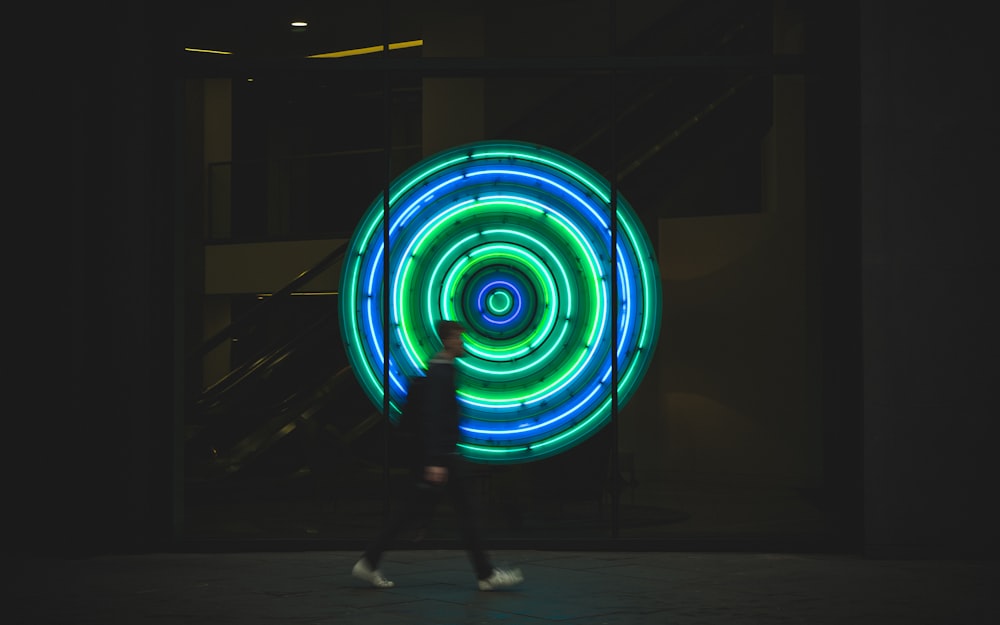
{"x": 205, "y": 51}
{"x": 369, "y": 50}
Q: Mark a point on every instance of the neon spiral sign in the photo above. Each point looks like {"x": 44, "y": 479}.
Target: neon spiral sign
{"x": 512, "y": 240}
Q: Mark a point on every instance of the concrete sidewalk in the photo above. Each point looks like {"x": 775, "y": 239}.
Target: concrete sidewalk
{"x": 437, "y": 587}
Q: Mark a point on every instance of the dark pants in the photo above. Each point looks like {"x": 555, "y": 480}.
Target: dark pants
{"x": 418, "y": 504}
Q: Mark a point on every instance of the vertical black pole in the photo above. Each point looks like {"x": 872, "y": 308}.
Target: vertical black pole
{"x": 387, "y": 152}
{"x": 615, "y": 499}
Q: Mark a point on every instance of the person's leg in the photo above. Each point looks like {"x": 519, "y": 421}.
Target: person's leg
{"x": 367, "y": 567}
{"x": 416, "y": 505}
{"x": 460, "y": 494}
{"x": 489, "y": 577}
{"x": 423, "y": 510}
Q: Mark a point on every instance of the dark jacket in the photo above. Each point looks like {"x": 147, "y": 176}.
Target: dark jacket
{"x": 440, "y": 414}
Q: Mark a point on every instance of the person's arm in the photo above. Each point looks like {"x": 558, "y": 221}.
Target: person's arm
{"x": 436, "y": 475}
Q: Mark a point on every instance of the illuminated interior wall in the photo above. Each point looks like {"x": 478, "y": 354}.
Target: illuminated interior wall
{"x": 734, "y": 377}
{"x": 512, "y": 240}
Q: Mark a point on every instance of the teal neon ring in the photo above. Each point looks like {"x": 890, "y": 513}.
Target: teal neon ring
{"x": 513, "y": 240}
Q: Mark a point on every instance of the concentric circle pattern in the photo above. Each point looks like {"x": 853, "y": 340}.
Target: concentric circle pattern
{"x": 512, "y": 240}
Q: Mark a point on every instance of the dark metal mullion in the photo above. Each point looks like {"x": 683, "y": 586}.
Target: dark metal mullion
{"x": 615, "y": 495}
{"x": 387, "y": 129}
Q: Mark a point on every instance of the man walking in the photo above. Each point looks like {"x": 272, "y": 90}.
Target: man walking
{"x": 440, "y": 468}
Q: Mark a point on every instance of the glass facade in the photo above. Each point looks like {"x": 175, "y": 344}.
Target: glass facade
{"x": 690, "y": 119}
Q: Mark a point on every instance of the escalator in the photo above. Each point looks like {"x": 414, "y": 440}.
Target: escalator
{"x": 292, "y": 406}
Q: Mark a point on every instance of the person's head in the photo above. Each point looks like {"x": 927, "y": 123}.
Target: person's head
{"x": 450, "y": 333}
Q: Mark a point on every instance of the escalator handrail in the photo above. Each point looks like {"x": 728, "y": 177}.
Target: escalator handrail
{"x": 307, "y": 275}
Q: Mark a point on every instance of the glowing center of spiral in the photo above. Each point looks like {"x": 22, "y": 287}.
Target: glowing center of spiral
{"x": 500, "y": 302}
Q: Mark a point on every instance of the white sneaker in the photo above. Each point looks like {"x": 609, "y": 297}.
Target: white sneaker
{"x": 374, "y": 577}
{"x": 501, "y": 578}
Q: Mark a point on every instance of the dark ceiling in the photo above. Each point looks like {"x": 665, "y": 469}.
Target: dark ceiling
{"x": 261, "y": 29}
{"x": 264, "y": 28}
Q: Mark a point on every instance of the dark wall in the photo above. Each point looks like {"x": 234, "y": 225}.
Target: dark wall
{"x": 929, "y": 137}
{"x": 833, "y": 241}
{"x": 105, "y": 480}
